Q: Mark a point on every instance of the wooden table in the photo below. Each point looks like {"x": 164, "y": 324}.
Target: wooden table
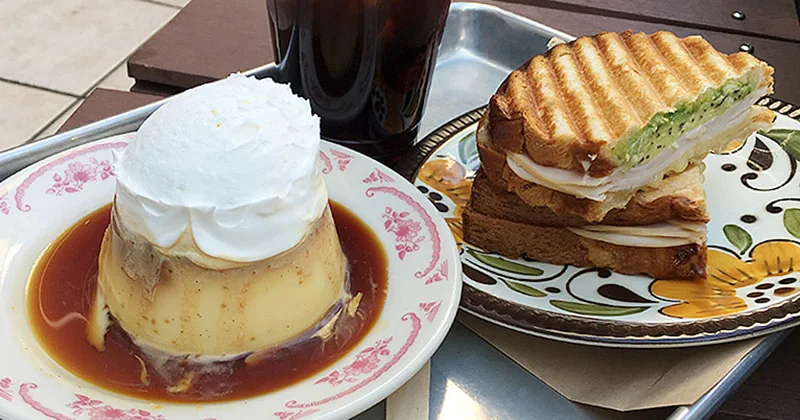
{"x": 207, "y": 41}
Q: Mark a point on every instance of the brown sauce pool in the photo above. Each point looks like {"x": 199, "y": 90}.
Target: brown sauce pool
{"x": 62, "y": 286}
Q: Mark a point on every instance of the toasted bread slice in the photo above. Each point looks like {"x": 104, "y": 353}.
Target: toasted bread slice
{"x": 537, "y": 192}
{"x": 678, "y": 197}
{"x": 558, "y": 245}
{"x": 661, "y": 232}
{"x": 609, "y": 101}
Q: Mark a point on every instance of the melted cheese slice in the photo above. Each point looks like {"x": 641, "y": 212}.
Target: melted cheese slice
{"x": 717, "y": 132}
{"x": 569, "y": 182}
{"x": 657, "y": 235}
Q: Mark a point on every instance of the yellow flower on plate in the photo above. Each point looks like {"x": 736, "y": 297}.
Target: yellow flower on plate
{"x": 449, "y": 177}
{"x": 716, "y": 295}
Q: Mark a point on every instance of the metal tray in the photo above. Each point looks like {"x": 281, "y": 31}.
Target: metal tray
{"x": 469, "y": 378}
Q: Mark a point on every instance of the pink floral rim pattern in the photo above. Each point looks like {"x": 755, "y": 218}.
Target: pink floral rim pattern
{"x": 439, "y": 275}
{"x": 78, "y": 174}
{"x": 431, "y": 309}
{"x": 378, "y": 176}
{"x": 4, "y": 205}
{"x": 405, "y": 230}
{"x": 342, "y": 160}
{"x": 5, "y": 389}
{"x": 366, "y": 361}
{"x": 77, "y": 171}
{"x": 369, "y": 364}
{"x": 404, "y": 239}
{"x": 83, "y": 406}
{"x": 327, "y": 166}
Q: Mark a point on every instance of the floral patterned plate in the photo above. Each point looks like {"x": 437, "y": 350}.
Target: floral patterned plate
{"x": 41, "y": 201}
{"x": 753, "y": 193}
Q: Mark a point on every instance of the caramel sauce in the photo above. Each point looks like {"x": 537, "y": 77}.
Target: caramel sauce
{"x": 63, "y": 284}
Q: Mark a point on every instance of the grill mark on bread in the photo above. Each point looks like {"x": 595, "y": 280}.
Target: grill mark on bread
{"x": 555, "y": 122}
{"x": 631, "y": 106}
{"x": 582, "y": 109}
{"x": 682, "y": 61}
{"x": 557, "y": 111}
{"x": 738, "y": 60}
{"x": 741, "y": 61}
{"x": 628, "y": 75}
{"x": 659, "y": 73}
{"x": 603, "y": 85}
{"x": 653, "y": 73}
{"x": 710, "y": 59}
{"x": 535, "y": 122}
{"x": 656, "y": 95}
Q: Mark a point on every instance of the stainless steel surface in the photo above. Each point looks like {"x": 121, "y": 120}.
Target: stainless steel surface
{"x": 480, "y": 47}
{"x": 469, "y": 378}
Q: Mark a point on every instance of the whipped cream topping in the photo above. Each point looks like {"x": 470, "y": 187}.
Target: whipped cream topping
{"x": 657, "y": 235}
{"x": 227, "y": 170}
{"x": 582, "y": 185}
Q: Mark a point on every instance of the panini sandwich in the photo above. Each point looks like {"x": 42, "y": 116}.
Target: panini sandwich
{"x": 591, "y": 154}
{"x": 585, "y": 126}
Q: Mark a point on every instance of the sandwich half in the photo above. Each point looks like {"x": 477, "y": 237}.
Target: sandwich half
{"x": 661, "y": 232}
{"x": 591, "y": 122}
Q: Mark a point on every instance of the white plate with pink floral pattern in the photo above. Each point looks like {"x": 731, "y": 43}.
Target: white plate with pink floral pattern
{"x": 423, "y": 291}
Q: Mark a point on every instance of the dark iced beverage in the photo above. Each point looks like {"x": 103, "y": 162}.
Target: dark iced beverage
{"x": 365, "y": 65}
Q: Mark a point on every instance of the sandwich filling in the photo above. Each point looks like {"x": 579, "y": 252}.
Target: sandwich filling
{"x": 665, "y": 128}
{"x": 658, "y": 235}
{"x": 667, "y": 144}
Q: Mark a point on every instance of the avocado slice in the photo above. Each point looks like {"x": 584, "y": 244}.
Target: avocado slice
{"x": 665, "y": 127}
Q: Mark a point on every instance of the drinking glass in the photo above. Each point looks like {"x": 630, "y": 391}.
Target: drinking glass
{"x": 365, "y": 66}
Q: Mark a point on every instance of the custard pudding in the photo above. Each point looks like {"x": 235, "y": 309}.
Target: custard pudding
{"x": 222, "y": 241}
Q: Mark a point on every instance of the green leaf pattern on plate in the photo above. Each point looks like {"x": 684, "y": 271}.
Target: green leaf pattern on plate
{"x": 791, "y": 221}
{"x": 505, "y": 265}
{"x": 524, "y": 289}
{"x": 540, "y": 286}
{"x": 788, "y": 139}
{"x": 468, "y": 151}
{"x": 738, "y": 237}
{"x": 596, "y": 309}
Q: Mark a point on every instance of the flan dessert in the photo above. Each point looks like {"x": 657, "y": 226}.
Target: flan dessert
{"x": 222, "y": 241}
